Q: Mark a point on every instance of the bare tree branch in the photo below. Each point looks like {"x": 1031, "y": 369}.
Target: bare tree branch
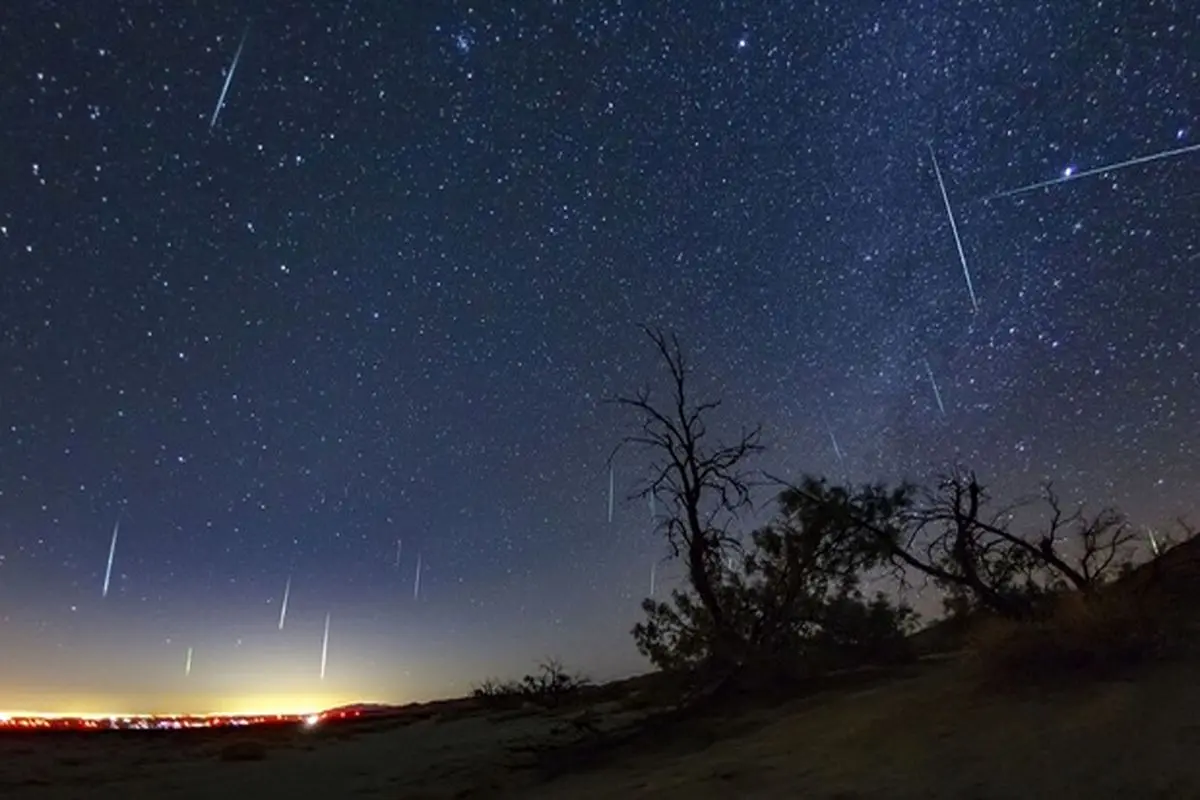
{"x": 703, "y": 486}
{"x": 954, "y": 538}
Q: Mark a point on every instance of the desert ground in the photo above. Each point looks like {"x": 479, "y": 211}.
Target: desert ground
{"x": 927, "y": 730}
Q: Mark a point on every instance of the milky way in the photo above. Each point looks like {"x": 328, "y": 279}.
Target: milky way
{"x": 384, "y": 296}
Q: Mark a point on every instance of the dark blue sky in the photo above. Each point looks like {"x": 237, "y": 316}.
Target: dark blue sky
{"x": 383, "y": 296}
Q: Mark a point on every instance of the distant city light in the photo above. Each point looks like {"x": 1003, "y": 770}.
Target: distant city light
{"x": 33, "y": 721}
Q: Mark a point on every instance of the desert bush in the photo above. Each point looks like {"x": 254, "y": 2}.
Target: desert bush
{"x": 497, "y": 694}
{"x": 1083, "y": 637}
{"x": 792, "y": 609}
{"x": 551, "y": 683}
{"x": 547, "y": 687}
{"x": 492, "y": 687}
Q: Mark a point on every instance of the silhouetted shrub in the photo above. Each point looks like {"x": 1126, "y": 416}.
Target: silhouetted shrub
{"x": 491, "y": 687}
{"x": 793, "y": 608}
{"x": 547, "y": 687}
{"x": 551, "y": 683}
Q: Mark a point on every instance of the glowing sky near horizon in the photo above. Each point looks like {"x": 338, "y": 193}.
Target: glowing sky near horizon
{"x": 381, "y": 294}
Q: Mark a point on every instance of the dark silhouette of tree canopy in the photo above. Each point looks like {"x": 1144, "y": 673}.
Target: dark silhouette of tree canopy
{"x": 794, "y": 607}
{"x": 797, "y": 590}
{"x": 955, "y": 537}
{"x": 791, "y": 603}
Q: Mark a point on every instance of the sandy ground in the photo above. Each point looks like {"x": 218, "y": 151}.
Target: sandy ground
{"x": 934, "y": 736}
{"x": 930, "y": 733}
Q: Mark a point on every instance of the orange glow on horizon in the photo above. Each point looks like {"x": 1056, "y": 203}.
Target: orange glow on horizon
{"x": 234, "y": 708}
{"x": 32, "y": 721}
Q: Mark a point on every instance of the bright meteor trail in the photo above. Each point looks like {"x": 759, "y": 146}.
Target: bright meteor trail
{"x": 954, "y": 229}
{"x": 1178, "y": 151}
{"x": 325, "y": 647}
{"x": 228, "y": 80}
{"x": 287, "y": 590}
{"x": 112, "y": 551}
{"x": 937, "y": 394}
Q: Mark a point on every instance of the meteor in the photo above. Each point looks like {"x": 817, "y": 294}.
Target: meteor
{"x": 112, "y": 551}
{"x": 187, "y": 665}
{"x": 612, "y": 479}
{"x": 228, "y": 80}
{"x": 417, "y": 580}
{"x": 1154, "y": 547}
{"x": 837, "y": 451}
{"x": 325, "y": 647}
{"x": 287, "y": 590}
{"x": 1072, "y": 176}
{"x": 954, "y": 229}
{"x": 936, "y": 392}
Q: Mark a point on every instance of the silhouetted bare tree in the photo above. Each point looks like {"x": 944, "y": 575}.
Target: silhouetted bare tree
{"x": 955, "y": 537}
{"x": 702, "y": 484}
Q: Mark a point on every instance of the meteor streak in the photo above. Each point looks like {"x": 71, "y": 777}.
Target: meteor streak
{"x": 837, "y": 451}
{"x": 612, "y": 482}
{"x": 325, "y": 647}
{"x": 399, "y": 550}
{"x": 287, "y": 590}
{"x": 936, "y": 392}
{"x": 228, "y": 79}
{"x": 417, "y": 580}
{"x": 112, "y": 551}
{"x": 1178, "y": 151}
{"x": 954, "y": 229}
{"x": 187, "y": 665}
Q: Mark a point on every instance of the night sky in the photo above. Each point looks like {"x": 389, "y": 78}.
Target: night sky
{"x": 381, "y": 292}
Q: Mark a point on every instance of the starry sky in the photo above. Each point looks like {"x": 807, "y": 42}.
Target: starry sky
{"x": 369, "y": 293}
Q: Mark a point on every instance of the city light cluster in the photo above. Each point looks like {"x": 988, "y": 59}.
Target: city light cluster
{"x": 33, "y": 722}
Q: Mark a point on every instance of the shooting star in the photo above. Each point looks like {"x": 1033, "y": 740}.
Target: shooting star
{"x": 417, "y": 580}
{"x": 399, "y": 550}
{"x": 653, "y": 507}
{"x": 228, "y": 80}
{"x": 112, "y": 551}
{"x": 1153, "y": 541}
{"x": 325, "y": 647}
{"x": 612, "y": 485}
{"x": 837, "y": 451}
{"x": 936, "y": 392}
{"x": 954, "y": 229}
{"x": 187, "y": 665}
{"x": 653, "y": 576}
{"x": 287, "y": 590}
{"x": 1072, "y": 176}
